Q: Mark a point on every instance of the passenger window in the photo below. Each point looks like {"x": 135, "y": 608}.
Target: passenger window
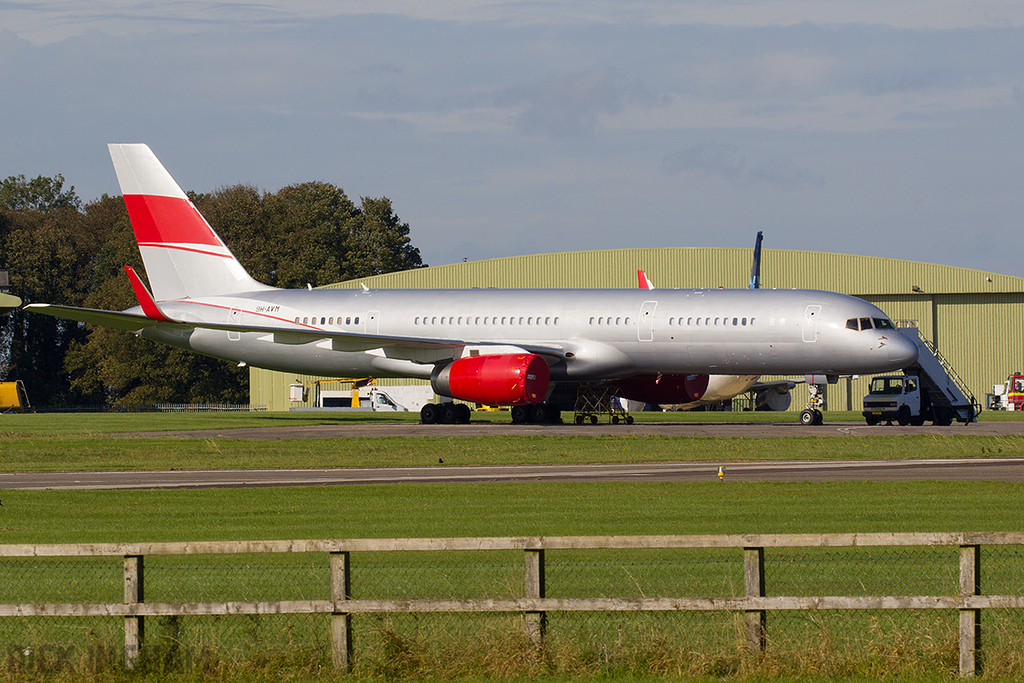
{"x": 547, "y": 320}
{"x": 348, "y": 321}
{"x": 744, "y": 322}
{"x": 520, "y": 320}
{"x": 627, "y": 321}
{"x": 330, "y": 321}
{"x": 478, "y": 320}
{"x": 529, "y": 321}
{"x": 323, "y": 321}
{"x": 433, "y": 320}
{"x": 460, "y": 319}
{"x": 618, "y": 321}
{"x": 671, "y": 322}
{"x": 502, "y": 320}
{"x": 417, "y": 321}
{"x": 356, "y": 321}
{"x": 556, "y": 319}
{"x": 716, "y": 321}
{"x": 305, "y": 320}
{"x": 735, "y": 322}
{"x": 296, "y": 320}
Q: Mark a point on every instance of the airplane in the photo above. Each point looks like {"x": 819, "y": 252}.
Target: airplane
{"x": 509, "y": 347}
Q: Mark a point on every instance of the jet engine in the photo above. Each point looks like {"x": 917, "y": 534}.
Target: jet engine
{"x": 507, "y": 379}
{"x": 663, "y": 388}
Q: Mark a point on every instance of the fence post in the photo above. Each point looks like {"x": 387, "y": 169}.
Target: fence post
{"x": 134, "y": 627}
{"x": 536, "y": 622}
{"x": 970, "y": 619}
{"x": 341, "y": 622}
{"x": 753, "y": 582}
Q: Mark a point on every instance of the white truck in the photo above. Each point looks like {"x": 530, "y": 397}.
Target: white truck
{"x": 404, "y": 398}
{"x": 912, "y": 399}
{"x": 899, "y": 398}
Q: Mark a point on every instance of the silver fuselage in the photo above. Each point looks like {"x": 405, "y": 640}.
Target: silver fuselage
{"x": 585, "y": 334}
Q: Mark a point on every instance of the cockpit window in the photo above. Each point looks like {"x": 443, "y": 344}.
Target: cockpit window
{"x": 869, "y": 323}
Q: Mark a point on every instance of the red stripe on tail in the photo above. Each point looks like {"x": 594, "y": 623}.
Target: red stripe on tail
{"x": 157, "y": 219}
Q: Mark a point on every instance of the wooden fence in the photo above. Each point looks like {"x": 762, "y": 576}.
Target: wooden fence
{"x": 969, "y": 601}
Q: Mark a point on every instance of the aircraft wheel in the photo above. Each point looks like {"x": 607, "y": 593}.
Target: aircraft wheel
{"x": 554, "y": 414}
{"x": 519, "y": 415}
{"x": 903, "y": 416}
{"x": 430, "y": 413}
{"x": 943, "y": 416}
{"x": 464, "y": 413}
{"x": 538, "y": 413}
{"x": 819, "y": 419}
{"x": 449, "y": 413}
{"x": 807, "y": 417}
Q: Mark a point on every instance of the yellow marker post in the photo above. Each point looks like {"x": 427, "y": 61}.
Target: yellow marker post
{"x": 721, "y": 473}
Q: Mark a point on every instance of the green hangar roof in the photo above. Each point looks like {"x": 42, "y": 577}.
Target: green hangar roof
{"x": 698, "y": 267}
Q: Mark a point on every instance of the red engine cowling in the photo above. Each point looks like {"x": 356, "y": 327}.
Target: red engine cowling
{"x": 507, "y": 380}
{"x": 663, "y": 388}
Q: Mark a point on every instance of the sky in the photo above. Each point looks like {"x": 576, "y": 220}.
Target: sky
{"x": 498, "y": 128}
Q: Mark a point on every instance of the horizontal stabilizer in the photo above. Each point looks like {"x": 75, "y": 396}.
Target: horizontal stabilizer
{"x": 115, "y": 319}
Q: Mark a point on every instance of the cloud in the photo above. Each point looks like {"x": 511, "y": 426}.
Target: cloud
{"x": 570, "y": 105}
{"x": 715, "y": 159}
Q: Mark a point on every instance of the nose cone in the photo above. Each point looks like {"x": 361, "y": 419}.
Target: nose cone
{"x": 903, "y": 350}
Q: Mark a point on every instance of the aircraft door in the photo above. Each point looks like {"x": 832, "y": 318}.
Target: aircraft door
{"x": 645, "y": 323}
{"x": 810, "y": 326}
{"x": 373, "y": 322}
{"x": 233, "y": 318}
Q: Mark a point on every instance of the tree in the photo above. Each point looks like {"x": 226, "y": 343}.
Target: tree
{"x": 39, "y": 194}
{"x": 48, "y": 256}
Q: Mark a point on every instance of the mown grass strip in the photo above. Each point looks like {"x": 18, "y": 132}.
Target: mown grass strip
{"x": 63, "y": 424}
{"x": 57, "y": 453}
{"x": 429, "y": 510}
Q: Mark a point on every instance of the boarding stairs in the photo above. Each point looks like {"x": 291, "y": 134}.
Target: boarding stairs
{"x": 949, "y": 395}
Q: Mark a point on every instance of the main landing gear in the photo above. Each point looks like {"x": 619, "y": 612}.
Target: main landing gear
{"x": 444, "y": 413}
{"x": 536, "y": 413}
{"x": 811, "y": 414}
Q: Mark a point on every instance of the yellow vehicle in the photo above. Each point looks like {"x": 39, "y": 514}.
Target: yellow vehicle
{"x": 13, "y": 398}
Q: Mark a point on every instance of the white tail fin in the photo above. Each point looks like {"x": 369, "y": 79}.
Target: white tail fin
{"x": 184, "y": 257}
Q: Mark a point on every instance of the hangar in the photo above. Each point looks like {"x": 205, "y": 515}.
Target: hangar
{"x": 975, "y": 319}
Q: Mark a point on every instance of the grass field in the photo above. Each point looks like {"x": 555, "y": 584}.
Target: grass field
{"x": 47, "y": 442}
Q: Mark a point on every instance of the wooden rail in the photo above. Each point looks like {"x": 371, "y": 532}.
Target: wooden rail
{"x": 535, "y": 605}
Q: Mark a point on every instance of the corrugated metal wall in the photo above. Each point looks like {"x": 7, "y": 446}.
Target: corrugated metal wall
{"x": 975, "y": 318}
